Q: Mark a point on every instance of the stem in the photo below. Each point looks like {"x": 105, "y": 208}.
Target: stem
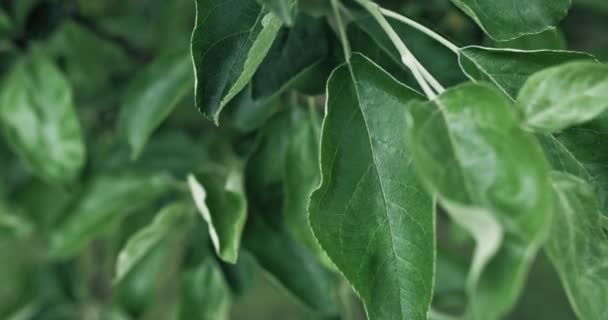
{"x": 437, "y": 37}
{"x": 406, "y": 56}
{"x": 342, "y": 32}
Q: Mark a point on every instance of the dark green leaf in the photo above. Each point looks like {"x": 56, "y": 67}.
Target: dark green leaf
{"x": 229, "y": 41}
{"x": 551, "y": 39}
{"x": 205, "y": 295}
{"x": 564, "y": 96}
{"x": 370, "y": 214}
{"x": 292, "y": 265}
{"x": 38, "y": 119}
{"x": 509, "y": 19}
{"x": 578, "y": 247}
{"x": 220, "y": 198}
{"x": 145, "y": 239}
{"x": 491, "y": 176}
{"x": 152, "y": 96}
{"x": 107, "y": 200}
{"x": 508, "y": 69}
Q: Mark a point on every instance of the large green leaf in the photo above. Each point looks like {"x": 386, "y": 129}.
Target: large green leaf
{"x": 578, "y": 247}
{"x": 229, "y": 41}
{"x": 284, "y": 9}
{"x": 508, "y": 69}
{"x": 107, "y": 200}
{"x": 493, "y": 179}
{"x": 563, "y": 96}
{"x": 139, "y": 245}
{"x": 151, "y": 98}
{"x": 205, "y": 294}
{"x": 38, "y": 119}
{"x": 220, "y": 198}
{"x": 551, "y": 39}
{"x": 509, "y": 19}
{"x": 370, "y": 214}
{"x": 291, "y": 264}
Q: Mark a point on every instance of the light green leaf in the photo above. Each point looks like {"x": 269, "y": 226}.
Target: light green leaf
{"x": 38, "y": 119}
{"x": 551, "y": 39}
{"x": 508, "y": 69}
{"x": 370, "y": 214}
{"x": 205, "y": 295}
{"x": 107, "y": 200}
{"x": 229, "y": 41}
{"x": 578, "y": 247}
{"x": 145, "y": 239}
{"x": 220, "y": 199}
{"x": 152, "y": 96}
{"x": 284, "y": 9}
{"x": 564, "y": 96}
{"x": 493, "y": 179}
{"x": 509, "y": 19}
{"x": 290, "y": 264}
{"x": 301, "y": 177}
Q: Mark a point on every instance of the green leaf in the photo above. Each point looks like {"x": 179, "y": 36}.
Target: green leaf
{"x": 229, "y": 41}
{"x": 38, "y": 119}
{"x": 220, "y": 198}
{"x": 508, "y": 69}
{"x": 301, "y": 177}
{"x": 493, "y": 179}
{"x": 289, "y": 263}
{"x": 145, "y": 239}
{"x": 551, "y": 39}
{"x": 564, "y": 96}
{"x": 107, "y": 200}
{"x": 205, "y": 295}
{"x": 152, "y": 96}
{"x": 370, "y": 214}
{"x": 578, "y": 247}
{"x": 509, "y": 19}
{"x": 284, "y": 9}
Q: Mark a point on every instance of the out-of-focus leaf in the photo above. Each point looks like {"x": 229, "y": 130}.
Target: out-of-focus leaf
{"x": 578, "y": 247}
{"x": 220, "y": 198}
{"x": 370, "y": 213}
{"x": 107, "y": 200}
{"x": 284, "y": 9}
{"x": 491, "y": 176}
{"x": 5, "y": 22}
{"x": 229, "y": 41}
{"x": 302, "y": 176}
{"x": 564, "y": 96}
{"x": 38, "y": 119}
{"x": 508, "y": 69}
{"x": 205, "y": 295}
{"x": 551, "y": 39}
{"x": 292, "y": 265}
{"x": 509, "y": 19}
{"x": 145, "y": 239}
{"x": 152, "y": 96}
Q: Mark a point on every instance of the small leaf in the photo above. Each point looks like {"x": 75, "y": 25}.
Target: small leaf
{"x": 220, "y": 199}
{"x": 145, "y": 239}
{"x": 508, "y": 69}
{"x": 205, "y": 295}
{"x": 38, "y": 119}
{"x": 578, "y": 247}
{"x": 229, "y": 41}
{"x": 509, "y": 19}
{"x": 491, "y": 176}
{"x": 152, "y": 96}
{"x": 107, "y": 200}
{"x": 292, "y": 265}
{"x": 370, "y": 214}
{"x": 564, "y": 96}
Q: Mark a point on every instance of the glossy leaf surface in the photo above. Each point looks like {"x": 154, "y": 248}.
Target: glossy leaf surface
{"x": 370, "y": 214}
{"x": 564, "y": 96}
